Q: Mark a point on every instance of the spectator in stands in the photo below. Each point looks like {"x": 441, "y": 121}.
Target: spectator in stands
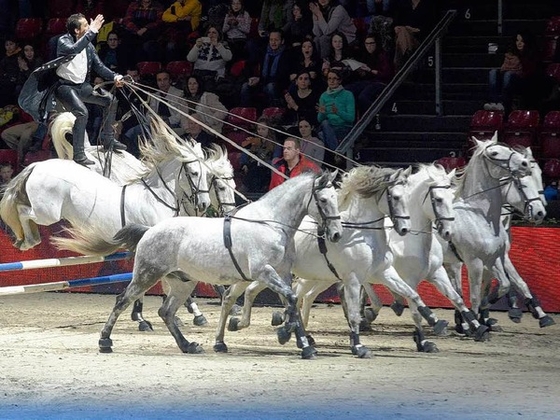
{"x": 257, "y": 176}
{"x": 237, "y": 25}
{"x": 194, "y": 131}
{"x": 339, "y": 52}
{"x": 413, "y": 20}
{"x": 90, "y": 8}
{"x": 520, "y": 62}
{"x": 6, "y": 172}
{"x": 311, "y": 146}
{"x": 371, "y": 77}
{"x": 273, "y": 77}
{"x": 210, "y": 57}
{"x": 292, "y": 163}
{"x": 113, "y": 54}
{"x": 330, "y": 17}
{"x": 301, "y": 100}
{"x": 20, "y": 137}
{"x": 307, "y": 60}
{"x": 300, "y": 27}
{"x": 336, "y": 111}
{"x": 142, "y": 26}
{"x": 181, "y": 19}
{"x": 9, "y": 71}
{"x": 206, "y": 105}
{"x": 27, "y": 62}
{"x": 273, "y": 16}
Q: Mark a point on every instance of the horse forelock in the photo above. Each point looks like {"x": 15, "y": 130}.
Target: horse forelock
{"x": 435, "y": 174}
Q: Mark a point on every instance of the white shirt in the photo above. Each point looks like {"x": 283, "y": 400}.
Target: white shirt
{"x": 74, "y": 70}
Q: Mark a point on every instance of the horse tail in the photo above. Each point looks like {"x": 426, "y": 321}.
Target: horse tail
{"x": 13, "y": 195}
{"x": 87, "y": 240}
{"x": 61, "y": 126}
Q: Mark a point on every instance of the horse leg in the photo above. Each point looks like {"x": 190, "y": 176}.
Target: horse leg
{"x": 350, "y": 297}
{"x": 199, "y": 319}
{"x": 369, "y": 314}
{"x": 178, "y": 291}
{"x": 31, "y": 235}
{"x": 475, "y": 270}
{"x": 136, "y": 315}
{"x": 228, "y": 299}
{"x": 283, "y": 286}
{"x": 251, "y": 291}
{"x": 531, "y": 302}
{"x": 136, "y": 288}
{"x": 395, "y": 284}
{"x": 422, "y": 344}
{"x": 306, "y": 292}
{"x": 440, "y": 279}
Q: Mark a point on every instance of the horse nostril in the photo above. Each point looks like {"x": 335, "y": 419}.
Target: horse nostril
{"x": 336, "y": 237}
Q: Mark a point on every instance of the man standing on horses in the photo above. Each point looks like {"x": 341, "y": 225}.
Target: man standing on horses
{"x": 68, "y": 79}
{"x": 75, "y": 87}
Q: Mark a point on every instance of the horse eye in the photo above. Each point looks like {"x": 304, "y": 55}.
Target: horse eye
{"x": 494, "y": 154}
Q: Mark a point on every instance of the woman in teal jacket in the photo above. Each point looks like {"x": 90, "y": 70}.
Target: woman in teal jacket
{"x": 336, "y": 111}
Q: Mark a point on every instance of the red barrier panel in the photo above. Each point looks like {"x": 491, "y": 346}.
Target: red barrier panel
{"x": 534, "y": 252}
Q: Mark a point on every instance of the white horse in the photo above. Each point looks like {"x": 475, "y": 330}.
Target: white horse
{"x": 53, "y": 190}
{"x": 121, "y": 167}
{"x": 525, "y": 197}
{"x": 255, "y": 244}
{"x": 362, "y": 256}
{"x": 480, "y": 239}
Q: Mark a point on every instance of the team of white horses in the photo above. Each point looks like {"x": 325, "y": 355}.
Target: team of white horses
{"x": 378, "y": 226}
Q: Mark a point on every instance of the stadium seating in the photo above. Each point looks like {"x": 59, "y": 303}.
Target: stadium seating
{"x": 521, "y": 129}
{"x": 28, "y": 28}
{"x": 149, "y": 67}
{"x": 549, "y": 137}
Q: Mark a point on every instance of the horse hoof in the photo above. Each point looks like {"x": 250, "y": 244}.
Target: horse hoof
{"x": 277, "y": 318}
{"x": 440, "y": 327}
{"x": 220, "y": 347}
{"x": 284, "y": 335}
{"x": 309, "y": 353}
{"x": 310, "y": 340}
{"x": 515, "y": 315}
{"x": 105, "y": 345}
{"x": 145, "y": 326}
{"x": 233, "y": 324}
{"x": 546, "y": 321}
{"x": 362, "y": 352}
{"x": 194, "y": 348}
{"x": 235, "y": 310}
{"x": 398, "y": 308}
{"x": 200, "y": 320}
{"x": 370, "y": 315}
{"x": 430, "y": 347}
{"x": 459, "y": 329}
{"x": 493, "y": 325}
{"x": 482, "y": 333}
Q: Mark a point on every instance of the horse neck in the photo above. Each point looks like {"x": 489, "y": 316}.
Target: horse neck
{"x": 366, "y": 210}
{"x": 482, "y": 191}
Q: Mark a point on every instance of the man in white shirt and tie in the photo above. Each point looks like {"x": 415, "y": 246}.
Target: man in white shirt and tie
{"x": 75, "y": 88}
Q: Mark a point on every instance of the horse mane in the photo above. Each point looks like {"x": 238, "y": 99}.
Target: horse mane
{"x": 364, "y": 181}
{"x": 462, "y": 173}
{"x": 434, "y": 172}
{"x": 219, "y": 162}
{"x": 162, "y": 147}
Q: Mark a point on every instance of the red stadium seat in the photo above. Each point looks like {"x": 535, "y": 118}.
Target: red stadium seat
{"x": 238, "y": 137}
{"x": 149, "y": 67}
{"x": 521, "y": 128}
{"x": 483, "y": 126}
{"x": 274, "y": 113}
{"x": 29, "y": 28}
{"x": 549, "y": 137}
{"x": 551, "y": 168}
{"x": 553, "y": 70}
{"x": 549, "y": 48}
{"x": 235, "y": 159}
{"x": 237, "y": 68}
{"x": 452, "y": 162}
{"x": 55, "y": 26}
{"x": 179, "y": 68}
{"x": 243, "y": 117}
{"x": 552, "y": 26}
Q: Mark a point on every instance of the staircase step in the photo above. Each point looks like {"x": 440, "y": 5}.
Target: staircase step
{"x": 490, "y": 26}
{"x": 470, "y": 59}
{"x": 427, "y": 107}
{"x": 425, "y": 123}
{"x": 373, "y": 139}
{"x": 405, "y": 155}
{"x": 410, "y": 90}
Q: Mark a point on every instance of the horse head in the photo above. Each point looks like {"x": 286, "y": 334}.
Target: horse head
{"x": 502, "y": 160}
{"x": 439, "y": 199}
{"x": 397, "y": 200}
{"x": 222, "y": 183}
{"x": 325, "y": 197}
{"x": 193, "y": 178}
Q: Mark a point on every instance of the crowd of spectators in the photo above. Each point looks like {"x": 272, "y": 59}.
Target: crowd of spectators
{"x": 323, "y": 62}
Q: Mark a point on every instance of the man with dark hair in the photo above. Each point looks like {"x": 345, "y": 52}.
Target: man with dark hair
{"x": 292, "y": 163}
{"x": 75, "y": 89}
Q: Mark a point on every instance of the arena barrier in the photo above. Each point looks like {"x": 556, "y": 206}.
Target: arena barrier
{"x": 535, "y": 252}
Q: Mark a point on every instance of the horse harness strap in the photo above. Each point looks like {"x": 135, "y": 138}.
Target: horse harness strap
{"x": 453, "y": 249}
{"x": 323, "y": 249}
{"x": 228, "y": 242}
{"x": 123, "y": 216}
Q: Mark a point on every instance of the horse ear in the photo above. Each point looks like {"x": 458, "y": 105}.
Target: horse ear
{"x": 451, "y": 174}
{"x": 495, "y": 137}
{"x": 406, "y": 173}
{"x": 333, "y": 175}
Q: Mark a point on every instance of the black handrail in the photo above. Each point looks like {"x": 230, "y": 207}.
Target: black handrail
{"x": 376, "y": 106}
